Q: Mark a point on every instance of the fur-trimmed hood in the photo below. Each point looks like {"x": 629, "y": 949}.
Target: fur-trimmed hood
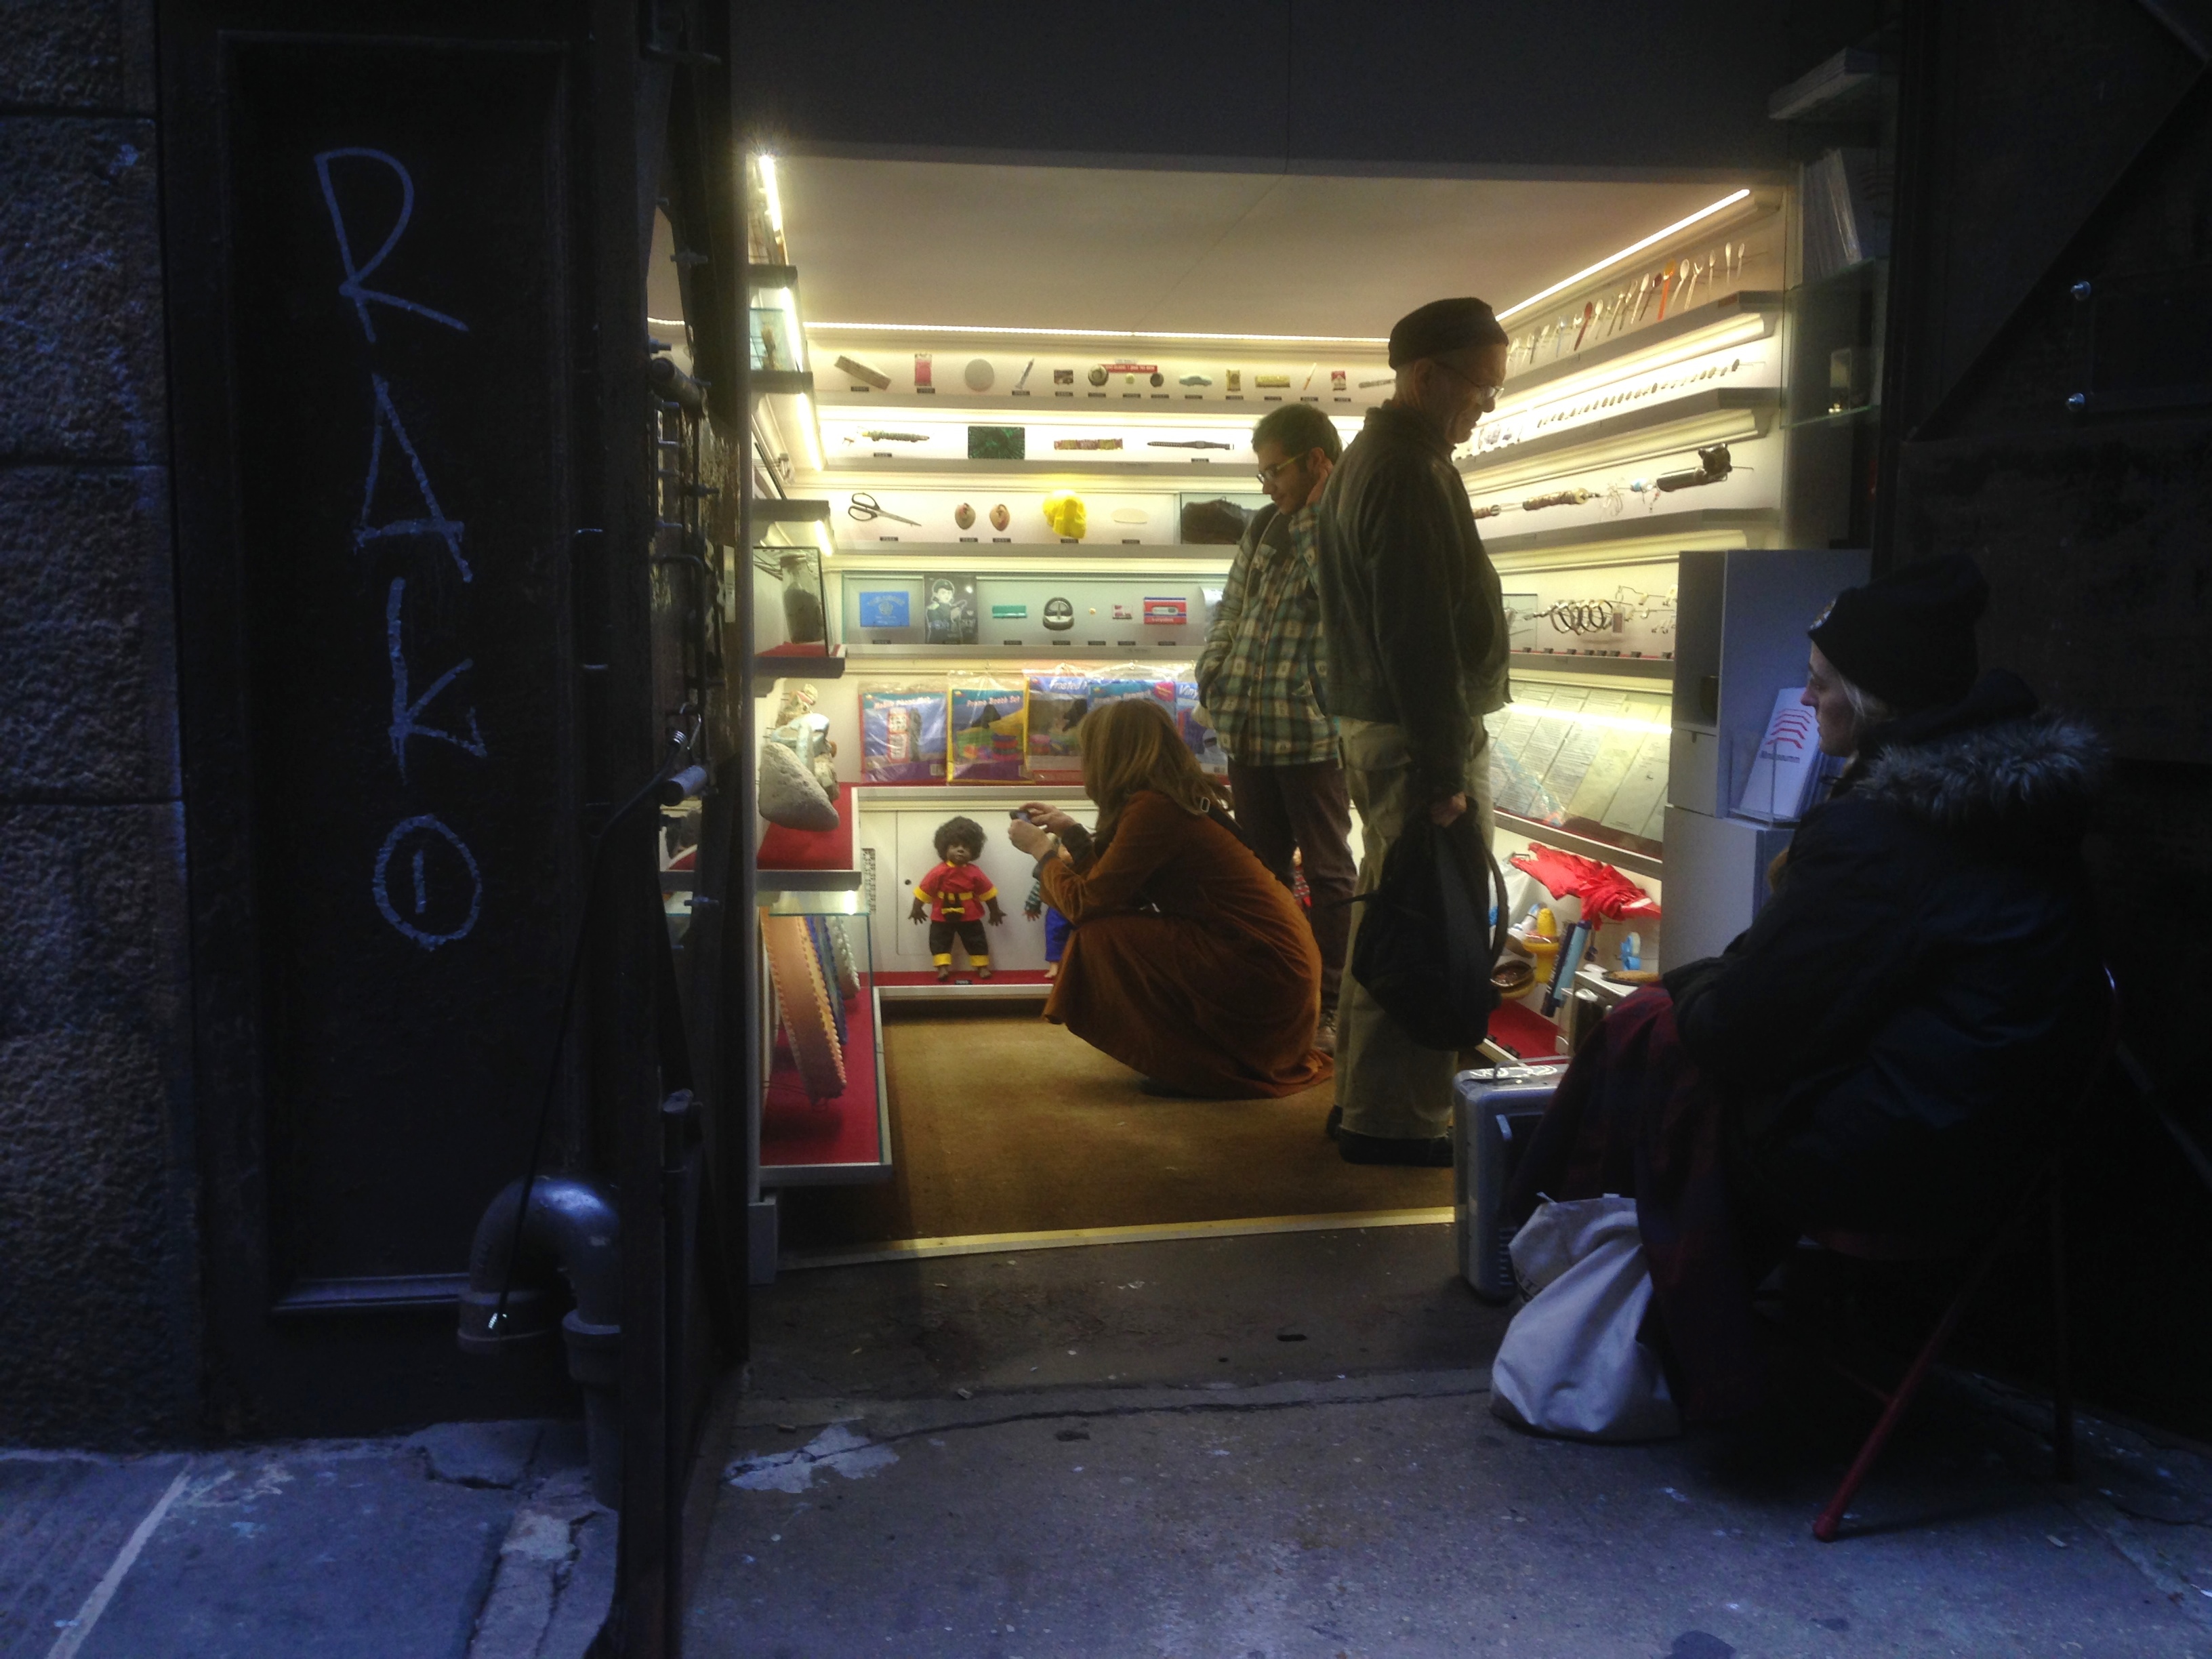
{"x": 1996, "y": 766}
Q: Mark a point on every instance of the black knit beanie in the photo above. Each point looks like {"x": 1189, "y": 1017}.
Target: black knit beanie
{"x": 1908, "y": 637}
{"x": 1440, "y": 326}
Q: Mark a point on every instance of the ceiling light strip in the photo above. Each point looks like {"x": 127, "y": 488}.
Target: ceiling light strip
{"x": 1628, "y": 252}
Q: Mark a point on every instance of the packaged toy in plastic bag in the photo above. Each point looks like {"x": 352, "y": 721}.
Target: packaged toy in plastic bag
{"x": 1057, "y": 704}
{"x": 1126, "y": 681}
{"x": 903, "y": 736}
{"x": 989, "y": 733}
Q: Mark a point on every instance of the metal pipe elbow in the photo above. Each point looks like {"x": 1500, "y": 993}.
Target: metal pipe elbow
{"x": 571, "y": 1230}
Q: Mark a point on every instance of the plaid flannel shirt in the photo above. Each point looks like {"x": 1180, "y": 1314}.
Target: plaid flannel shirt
{"x": 1259, "y": 675}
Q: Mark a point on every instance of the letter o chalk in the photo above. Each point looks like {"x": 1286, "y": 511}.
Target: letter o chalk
{"x": 400, "y": 831}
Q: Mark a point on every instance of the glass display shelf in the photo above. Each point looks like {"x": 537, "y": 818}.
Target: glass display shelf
{"x": 825, "y": 1115}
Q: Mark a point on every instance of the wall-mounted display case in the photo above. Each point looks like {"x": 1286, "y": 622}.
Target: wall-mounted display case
{"x": 822, "y": 1115}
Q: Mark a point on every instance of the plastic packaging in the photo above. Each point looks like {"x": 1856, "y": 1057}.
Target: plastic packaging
{"x": 988, "y": 736}
{"x": 903, "y": 735}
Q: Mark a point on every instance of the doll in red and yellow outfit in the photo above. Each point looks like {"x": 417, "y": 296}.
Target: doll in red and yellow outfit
{"x": 956, "y": 893}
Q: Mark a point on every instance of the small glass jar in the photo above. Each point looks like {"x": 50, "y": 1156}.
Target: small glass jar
{"x": 801, "y": 573}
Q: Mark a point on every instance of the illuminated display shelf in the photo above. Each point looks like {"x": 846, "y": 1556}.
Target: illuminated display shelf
{"x": 1064, "y": 463}
{"x": 941, "y": 659}
{"x": 1604, "y": 419}
{"x": 1647, "y": 528}
{"x": 1249, "y": 404}
{"x": 1710, "y": 317}
{"x": 1524, "y": 664}
{"x": 1753, "y": 408}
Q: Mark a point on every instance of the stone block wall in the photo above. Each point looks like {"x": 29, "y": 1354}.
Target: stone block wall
{"x": 99, "y": 1282}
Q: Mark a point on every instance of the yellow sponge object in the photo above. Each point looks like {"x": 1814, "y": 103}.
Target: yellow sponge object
{"x": 1064, "y": 513}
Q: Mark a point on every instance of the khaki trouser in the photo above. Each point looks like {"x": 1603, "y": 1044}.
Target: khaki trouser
{"x": 1386, "y": 1084}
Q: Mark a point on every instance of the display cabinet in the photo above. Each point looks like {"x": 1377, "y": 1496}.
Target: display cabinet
{"x": 1051, "y": 518}
{"x": 823, "y": 1117}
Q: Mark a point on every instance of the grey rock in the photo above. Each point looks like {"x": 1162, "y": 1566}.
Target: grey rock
{"x": 479, "y": 1454}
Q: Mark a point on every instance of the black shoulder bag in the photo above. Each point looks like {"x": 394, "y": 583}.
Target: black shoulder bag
{"x": 1425, "y": 944}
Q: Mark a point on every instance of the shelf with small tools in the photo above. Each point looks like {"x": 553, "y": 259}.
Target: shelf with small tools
{"x": 1640, "y": 418}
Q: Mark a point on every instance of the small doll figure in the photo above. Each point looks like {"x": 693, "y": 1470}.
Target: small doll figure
{"x": 956, "y": 892}
{"x": 1056, "y": 928}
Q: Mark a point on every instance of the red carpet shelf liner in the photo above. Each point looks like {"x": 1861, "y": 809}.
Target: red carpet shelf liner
{"x": 1525, "y": 1032}
{"x": 811, "y": 849}
{"x": 796, "y": 1131}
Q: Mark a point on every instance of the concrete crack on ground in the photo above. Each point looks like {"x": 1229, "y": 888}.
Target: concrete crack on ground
{"x": 1195, "y": 1407}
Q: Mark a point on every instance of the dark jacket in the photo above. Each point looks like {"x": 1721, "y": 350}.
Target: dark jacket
{"x": 1410, "y": 607}
{"x": 1894, "y": 1032}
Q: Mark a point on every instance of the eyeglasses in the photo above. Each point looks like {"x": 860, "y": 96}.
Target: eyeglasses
{"x": 1266, "y": 474}
{"x": 1489, "y": 392}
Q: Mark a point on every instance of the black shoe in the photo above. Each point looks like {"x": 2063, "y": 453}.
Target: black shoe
{"x": 1335, "y": 1122}
{"x": 1420, "y": 1151}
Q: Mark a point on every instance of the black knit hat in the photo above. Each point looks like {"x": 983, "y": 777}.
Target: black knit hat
{"x": 1442, "y": 325}
{"x": 1908, "y": 637}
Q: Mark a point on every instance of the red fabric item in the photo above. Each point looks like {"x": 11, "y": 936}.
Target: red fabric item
{"x": 811, "y": 849}
{"x": 1605, "y": 892}
{"x": 957, "y": 892}
{"x": 1524, "y": 1031}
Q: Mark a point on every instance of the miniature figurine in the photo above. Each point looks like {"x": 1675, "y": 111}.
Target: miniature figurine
{"x": 1056, "y": 926}
{"x": 953, "y": 892}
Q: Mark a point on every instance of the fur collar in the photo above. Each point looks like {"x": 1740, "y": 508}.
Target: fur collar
{"x": 2033, "y": 775}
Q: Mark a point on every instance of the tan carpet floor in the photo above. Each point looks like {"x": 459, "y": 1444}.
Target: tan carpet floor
{"x": 1002, "y": 1123}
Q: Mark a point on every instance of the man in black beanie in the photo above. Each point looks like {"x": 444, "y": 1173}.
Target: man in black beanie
{"x": 1414, "y": 625}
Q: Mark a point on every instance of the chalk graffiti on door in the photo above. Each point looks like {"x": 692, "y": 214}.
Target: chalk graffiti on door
{"x": 424, "y": 867}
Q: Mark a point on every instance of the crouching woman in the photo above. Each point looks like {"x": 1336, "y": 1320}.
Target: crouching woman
{"x": 1187, "y": 960}
{"x": 1887, "y": 1047}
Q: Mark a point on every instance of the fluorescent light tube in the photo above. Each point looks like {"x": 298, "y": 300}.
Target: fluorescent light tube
{"x": 769, "y": 193}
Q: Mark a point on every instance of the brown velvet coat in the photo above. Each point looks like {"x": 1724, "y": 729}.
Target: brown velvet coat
{"x": 1216, "y": 988}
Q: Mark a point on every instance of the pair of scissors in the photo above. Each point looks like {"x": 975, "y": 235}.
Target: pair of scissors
{"x": 865, "y": 507}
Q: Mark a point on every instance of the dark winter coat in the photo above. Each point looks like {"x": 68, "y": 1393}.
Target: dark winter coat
{"x": 1895, "y": 1031}
{"x": 1411, "y": 609}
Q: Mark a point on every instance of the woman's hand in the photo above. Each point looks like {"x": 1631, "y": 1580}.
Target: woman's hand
{"x": 1050, "y": 817}
{"x": 1029, "y": 838}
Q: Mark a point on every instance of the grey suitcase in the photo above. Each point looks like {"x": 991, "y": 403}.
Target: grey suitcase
{"x": 1495, "y": 1111}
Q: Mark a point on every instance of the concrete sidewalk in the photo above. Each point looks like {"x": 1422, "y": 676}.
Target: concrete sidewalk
{"x": 469, "y": 1540}
{"x": 1226, "y": 1478}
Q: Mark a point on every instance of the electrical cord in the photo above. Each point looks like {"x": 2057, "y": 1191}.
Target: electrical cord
{"x": 679, "y": 750}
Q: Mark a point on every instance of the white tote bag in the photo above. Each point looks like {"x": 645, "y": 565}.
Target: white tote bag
{"x": 1570, "y": 1363}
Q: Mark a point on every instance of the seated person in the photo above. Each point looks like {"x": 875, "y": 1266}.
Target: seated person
{"x": 1187, "y": 961}
{"x": 1884, "y": 1050}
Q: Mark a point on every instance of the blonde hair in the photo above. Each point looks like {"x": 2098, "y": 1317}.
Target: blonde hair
{"x": 1132, "y": 745}
{"x": 1867, "y": 711}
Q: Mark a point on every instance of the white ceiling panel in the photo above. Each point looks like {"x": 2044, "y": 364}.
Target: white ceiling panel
{"x": 945, "y": 243}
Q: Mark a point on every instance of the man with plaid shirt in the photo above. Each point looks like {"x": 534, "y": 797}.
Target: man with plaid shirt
{"x": 1259, "y": 679}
